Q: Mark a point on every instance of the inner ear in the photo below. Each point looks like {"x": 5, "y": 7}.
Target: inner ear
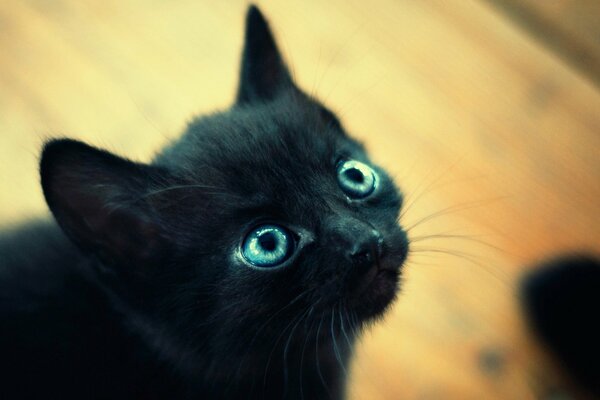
{"x": 98, "y": 200}
{"x": 263, "y": 72}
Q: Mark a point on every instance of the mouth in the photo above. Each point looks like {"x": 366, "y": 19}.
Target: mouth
{"x": 379, "y": 286}
{"x": 376, "y": 292}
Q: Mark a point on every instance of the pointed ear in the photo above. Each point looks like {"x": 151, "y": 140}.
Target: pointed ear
{"x": 263, "y": 71}
{"x": 97, "y": 199}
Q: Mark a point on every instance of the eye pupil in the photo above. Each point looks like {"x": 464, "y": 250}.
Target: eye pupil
{"x": 268, "y": 241}
{"x": 355, "y": 175}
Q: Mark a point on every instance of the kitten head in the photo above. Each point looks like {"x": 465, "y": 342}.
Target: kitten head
{"x": 256, "y": 216}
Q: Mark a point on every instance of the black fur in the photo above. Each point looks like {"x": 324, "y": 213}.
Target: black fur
{"x": 144, "y": 295}
{"x": 562, "y": 304}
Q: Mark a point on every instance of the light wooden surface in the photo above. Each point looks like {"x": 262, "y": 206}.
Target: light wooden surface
{"x": 469, "y": 109}
{"x": 571, "y": 28}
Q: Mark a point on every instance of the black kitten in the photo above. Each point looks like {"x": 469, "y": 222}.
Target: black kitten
{"x": 241, "y": 263}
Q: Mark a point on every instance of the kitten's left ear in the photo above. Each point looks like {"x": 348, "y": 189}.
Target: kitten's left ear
{"x": 99, "y": 201}
{"x": 263, "y": 71}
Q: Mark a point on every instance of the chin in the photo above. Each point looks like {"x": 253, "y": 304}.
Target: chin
{"x": 378, "y": 295}
{"x": 381, "y": 287}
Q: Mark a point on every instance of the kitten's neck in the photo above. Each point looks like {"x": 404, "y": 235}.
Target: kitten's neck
{"x": 153, "y": 334}
{"x": 286, "y": 365}
{"x": 300, "y": 369}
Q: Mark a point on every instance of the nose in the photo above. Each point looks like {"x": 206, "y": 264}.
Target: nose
{"x": 356, "y": 241}
{"x": 365, "y": 250}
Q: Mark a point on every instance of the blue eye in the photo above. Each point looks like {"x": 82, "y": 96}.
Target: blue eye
{"x": 267, "y": 246}
{"x": 356, "y": 179}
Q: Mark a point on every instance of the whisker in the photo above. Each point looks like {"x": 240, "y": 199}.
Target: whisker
{"x": 319, "y": 372}
{"x": 412, "y": 200}
{"x": 303, "y": 349}
{"x": 503, "y": 279}
{"x": 336, "y": 350}
{"x": 354, "y": 101}
{"x": 219, "y": 190}
{"x": 454, "y": 209}
{"x": 354, "y": 324}
{"x": 416, "y": 239}
{"x": 294, "y": 300}
{"x": 256, "y": 334}
{"x": 273, "y": 350}
{"x": 316, "y": 74}
{"x": 419, "y": 193}
{"x": 334, "y": 58}
{"x": 343, "y": 329}
{"x": 285, "y": 352}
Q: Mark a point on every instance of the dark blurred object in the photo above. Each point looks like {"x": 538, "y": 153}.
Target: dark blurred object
{"x": 561, "y": 300}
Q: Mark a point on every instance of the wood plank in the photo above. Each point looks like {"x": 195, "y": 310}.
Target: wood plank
{"x": 571, "y": 28}
{"x": 468, "y": 111}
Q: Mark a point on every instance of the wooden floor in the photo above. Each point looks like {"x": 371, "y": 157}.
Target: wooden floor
{"x": 487, "y": 112}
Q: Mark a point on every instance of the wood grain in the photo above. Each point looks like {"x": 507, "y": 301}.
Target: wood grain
{"x": 493, "y": 136}
{"x": 569, "y": 27}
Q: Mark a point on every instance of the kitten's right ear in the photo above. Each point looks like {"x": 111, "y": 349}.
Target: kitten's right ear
{"x": 98, "y": 200}
{"x": 263, "y": 72}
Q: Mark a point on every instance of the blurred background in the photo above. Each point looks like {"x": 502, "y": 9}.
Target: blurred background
{"x": 487, "y": 112}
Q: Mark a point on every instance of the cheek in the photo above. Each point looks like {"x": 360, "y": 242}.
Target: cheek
{"x": 396, "y": 243}
{"x": 321, "y": 276}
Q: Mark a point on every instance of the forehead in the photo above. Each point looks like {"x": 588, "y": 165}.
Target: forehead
{"x": 268, "y": 149}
